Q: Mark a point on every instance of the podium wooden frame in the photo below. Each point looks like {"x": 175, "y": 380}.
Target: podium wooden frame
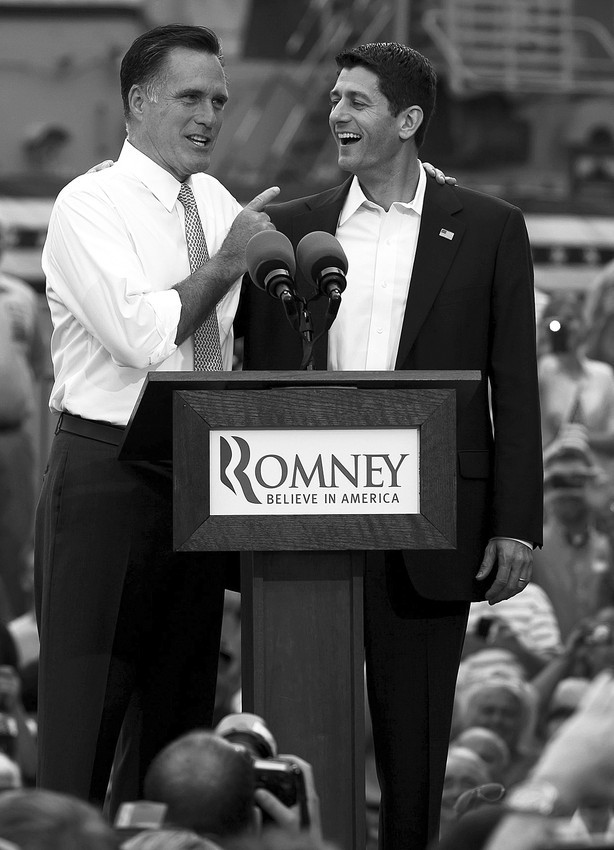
{"x": 301, "y": 576}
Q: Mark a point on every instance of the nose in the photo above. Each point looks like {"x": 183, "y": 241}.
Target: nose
{"x": 205, "y": 114}
{"x": 338, "y": 112}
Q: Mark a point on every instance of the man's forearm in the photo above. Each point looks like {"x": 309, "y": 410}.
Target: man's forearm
{"x": 201, "y": 291}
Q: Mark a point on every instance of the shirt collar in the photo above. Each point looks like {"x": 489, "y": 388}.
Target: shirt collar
{"x": 160, "y": 183}
{"x": 356, "y": 198}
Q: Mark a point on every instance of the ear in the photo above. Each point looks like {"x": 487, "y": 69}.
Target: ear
{"x": 411, "y": 119}
{"x": 136, "y": 101}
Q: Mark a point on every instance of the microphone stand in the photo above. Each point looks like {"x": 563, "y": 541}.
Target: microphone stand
{"x": 305, "y": 326}
{"x": 334, "y": 302}
{"x": 306, "y": 331}
{"x": 300, "y": 320}
{"x": 299, "y": 316}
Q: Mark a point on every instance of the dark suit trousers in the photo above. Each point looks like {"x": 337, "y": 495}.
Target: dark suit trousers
{"x": 129, "y": 630}
{"x": 412, "y": 647}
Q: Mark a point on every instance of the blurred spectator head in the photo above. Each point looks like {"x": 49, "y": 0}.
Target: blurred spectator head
{"x": 465, "y": 770}
{"x": 275, "y": 838}
{"x": 564, "y": 702}
{"x": 562, "y": 325}
{"x": 599, "y": 316}
{"x": 506, "y": 706}
{"x": 489, "y": 746}
{"x": 34, "y": 819}
{"x": 571, "y": 476}
{"x": 489, "y": 662}
{"x": 207, "y": 784}
{"x": 167, "y": 839}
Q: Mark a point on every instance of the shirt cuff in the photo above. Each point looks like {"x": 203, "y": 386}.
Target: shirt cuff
{"x": 524, "y": 542}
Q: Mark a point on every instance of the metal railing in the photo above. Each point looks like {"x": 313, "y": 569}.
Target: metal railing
{"x": 528, "y": 46}
{"x": 267, "y": 142}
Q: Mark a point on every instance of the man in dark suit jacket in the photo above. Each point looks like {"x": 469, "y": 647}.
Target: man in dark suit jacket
{"x": 439, "y": 277}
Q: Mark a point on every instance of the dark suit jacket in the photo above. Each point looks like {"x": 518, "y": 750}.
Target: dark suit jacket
{"x": 470, "y": 306}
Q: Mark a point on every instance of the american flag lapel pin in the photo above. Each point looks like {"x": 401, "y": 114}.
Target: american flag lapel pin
{"x": 447, "y": 234}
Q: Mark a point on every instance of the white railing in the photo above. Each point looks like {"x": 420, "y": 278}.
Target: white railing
{"x": 528, "y": 46}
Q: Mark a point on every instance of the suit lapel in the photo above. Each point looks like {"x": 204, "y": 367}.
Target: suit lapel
{"x": 435, "y": 253}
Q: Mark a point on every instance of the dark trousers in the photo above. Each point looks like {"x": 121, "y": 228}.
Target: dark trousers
{"x": 129, "y": 630}
{"x": 413, "y": 648}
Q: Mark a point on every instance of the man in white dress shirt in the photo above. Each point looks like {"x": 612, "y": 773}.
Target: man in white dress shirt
{"x": 130, "y": 630}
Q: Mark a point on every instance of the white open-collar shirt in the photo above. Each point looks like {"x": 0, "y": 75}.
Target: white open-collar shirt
{"x": 381, "y": 247}
{"x": 115, "y": 247}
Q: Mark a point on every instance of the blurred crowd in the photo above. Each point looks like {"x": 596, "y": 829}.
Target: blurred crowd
{"x": 530, "y": 660}
{"x": 531, "y": 664}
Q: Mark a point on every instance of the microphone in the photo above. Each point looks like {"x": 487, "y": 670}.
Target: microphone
{"x": 322, "y": 260}
{"x": 271, "y": 263}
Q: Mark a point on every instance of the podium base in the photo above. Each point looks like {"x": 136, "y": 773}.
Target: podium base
{"x": 303, "y": 663}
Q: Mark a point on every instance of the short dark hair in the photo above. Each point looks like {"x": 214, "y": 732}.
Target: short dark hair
{"x": 147, "y": 53}
{"x": 405, "y": 77}
{"x": 206, "y": 782}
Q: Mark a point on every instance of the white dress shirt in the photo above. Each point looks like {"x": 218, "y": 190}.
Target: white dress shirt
{"x": 115, "y": 248}
{"x": 380, "y": 246}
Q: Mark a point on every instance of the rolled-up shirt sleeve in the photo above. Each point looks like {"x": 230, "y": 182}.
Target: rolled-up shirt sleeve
{"x": 93, "y": 268}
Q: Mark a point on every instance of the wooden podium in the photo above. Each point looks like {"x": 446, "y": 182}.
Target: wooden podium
{"x": 254, "y": 472}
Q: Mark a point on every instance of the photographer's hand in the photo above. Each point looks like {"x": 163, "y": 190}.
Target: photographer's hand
{"x": 283, "y": 816}
{"x": 289, "y": 817}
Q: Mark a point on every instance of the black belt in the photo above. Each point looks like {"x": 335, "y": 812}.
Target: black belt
{"x": 89, "y": 428}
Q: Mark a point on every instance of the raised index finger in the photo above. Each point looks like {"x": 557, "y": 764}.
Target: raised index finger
{"x": 260, "y": 201}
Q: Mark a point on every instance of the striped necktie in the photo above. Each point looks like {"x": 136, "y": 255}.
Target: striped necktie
{"x": 207, "y": 349}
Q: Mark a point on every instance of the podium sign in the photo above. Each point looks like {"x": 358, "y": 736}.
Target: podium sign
{"x": 378, "y": 465}
{"x": 320, "y": 472}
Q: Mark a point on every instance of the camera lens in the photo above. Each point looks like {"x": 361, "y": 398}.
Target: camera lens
{"x": 250, "y": 731}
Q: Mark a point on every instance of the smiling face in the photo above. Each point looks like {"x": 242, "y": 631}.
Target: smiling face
{"x": 176, "y": 121}
{"x": 370, "y": 139}
{"x": 499, "y": 710}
